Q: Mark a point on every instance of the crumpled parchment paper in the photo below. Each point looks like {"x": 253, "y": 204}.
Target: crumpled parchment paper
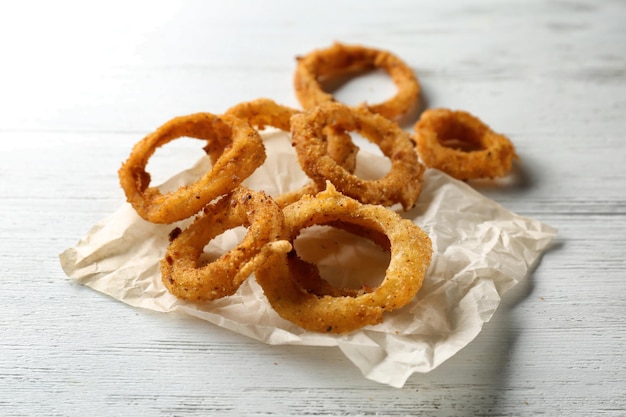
{"x": 480, "y": 250}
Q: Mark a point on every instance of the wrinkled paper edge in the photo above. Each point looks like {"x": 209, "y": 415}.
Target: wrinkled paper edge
{"x": 480, "y": 250}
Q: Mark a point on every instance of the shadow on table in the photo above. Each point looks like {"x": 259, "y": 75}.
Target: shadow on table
{"x": 476, "y": 380}
{"x": 519, "y": 179}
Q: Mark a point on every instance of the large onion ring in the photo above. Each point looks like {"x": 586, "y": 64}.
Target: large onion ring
{"x": 411, "y": 252}
{"x": 402, "y": 184}
{"x": 235, "y": 148}
{"x": 266, "y": 112}
{"x": 180, "y": 270}
{"x": 342, "y": 59}
{"x": 461, "y": 145}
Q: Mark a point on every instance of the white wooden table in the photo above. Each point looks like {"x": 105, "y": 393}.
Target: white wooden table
{"x": 81, "y": 82}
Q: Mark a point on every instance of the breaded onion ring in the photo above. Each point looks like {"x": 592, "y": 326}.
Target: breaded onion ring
{"x": 410, "y": 248}
{"x": 340, "y": 59}
{"x": 462, "y": 146}
{"x": 180, "y": 269}
{"x": 235, "y": 148}
{"x": 402, "y": 184}
{"x": 266, "y": 112}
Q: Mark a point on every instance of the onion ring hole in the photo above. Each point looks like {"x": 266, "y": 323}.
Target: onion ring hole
{"x": 341, "y": 257}
{"x": 221, "y": 244}
{"x": 360, "y": 86}
{"x": 363, "y": 168}
{"x": 457, "y": 135}
{"x": 172, "y": 158}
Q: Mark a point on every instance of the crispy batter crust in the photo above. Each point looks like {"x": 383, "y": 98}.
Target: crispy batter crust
{"x": 462, "y": 146}
{"x": 340, "y": 59}
{"x": 235, "y": 148}
{"x": 181, "y": 271}
{"x": 266, "y": 112}
{"x": 402, "y": 184}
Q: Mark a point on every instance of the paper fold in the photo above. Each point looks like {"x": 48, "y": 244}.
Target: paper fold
{"x": 480, "y": 250}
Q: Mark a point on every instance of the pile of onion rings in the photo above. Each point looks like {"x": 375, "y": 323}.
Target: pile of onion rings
{"x": 320, "y": 133}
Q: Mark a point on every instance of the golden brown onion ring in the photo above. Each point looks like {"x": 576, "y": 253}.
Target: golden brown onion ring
{"x": 462, "y": 146}
{"x": 402, "y": 184}
{"x": 180, "y": 269}
{"x": 340, "y": 59}
{"x": 235, "y": 148}
{"x": 411, "y": 252}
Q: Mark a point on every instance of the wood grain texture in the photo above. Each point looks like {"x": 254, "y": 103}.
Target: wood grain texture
{"x": 76, "y": 93}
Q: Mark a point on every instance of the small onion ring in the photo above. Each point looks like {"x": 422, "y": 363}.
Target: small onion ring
{"x": 402, "y": 184}
{"x": 180, "y": 270}
{"x": 442, "y": 137}
{"x": 235, "y": 148}
{"x": 266, "y": 112}
{"x": 411, "y": 252}
{"x": 342, "y": 59}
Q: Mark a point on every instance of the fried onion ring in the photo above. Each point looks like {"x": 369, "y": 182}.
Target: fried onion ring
{"x": 402, "y": 184}
{"x": 462, "y": 146}
{"x": 235, "y": 149}
{"x": 266, "y": 112}
{"x": 340, "y": 59}
{"x": 180, "y": 268}
{"x": 410, "y": 248}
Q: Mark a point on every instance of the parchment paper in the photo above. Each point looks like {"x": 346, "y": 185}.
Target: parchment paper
{"x": 480, "y": 250}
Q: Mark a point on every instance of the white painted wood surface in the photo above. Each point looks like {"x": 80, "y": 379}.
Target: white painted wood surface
{"x": 81, "y": 82}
